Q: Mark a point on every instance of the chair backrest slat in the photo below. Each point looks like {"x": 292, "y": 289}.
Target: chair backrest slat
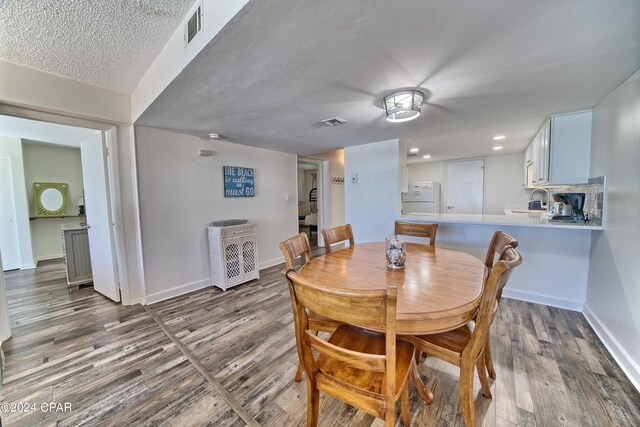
{"x": 499, "y": 243}
{"x": 361, "y": 308}
{"x": 416, "y": 230}
{"x": 337, "y": 234}
{"x": 494, "y": 283}
{"x": 364, "y": 361}
{"x": 365, "y": 308}
{"x": 295, "y": 247}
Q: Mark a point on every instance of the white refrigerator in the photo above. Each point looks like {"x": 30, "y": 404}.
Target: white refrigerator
{"x": 422, "y": 198}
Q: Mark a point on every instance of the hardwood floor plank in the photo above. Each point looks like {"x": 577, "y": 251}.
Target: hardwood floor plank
{"x": 118, "y": 366}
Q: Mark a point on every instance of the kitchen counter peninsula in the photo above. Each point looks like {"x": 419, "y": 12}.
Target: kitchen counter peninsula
{"x": 555, "y": 256}
{"x": 514, "y": 220}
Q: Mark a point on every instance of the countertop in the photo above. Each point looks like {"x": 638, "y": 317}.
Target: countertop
{"x": 67, "y": 227}
{"x": 515, "y": 220}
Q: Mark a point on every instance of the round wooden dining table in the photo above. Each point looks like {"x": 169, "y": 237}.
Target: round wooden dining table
{"x": 438, "y": 290}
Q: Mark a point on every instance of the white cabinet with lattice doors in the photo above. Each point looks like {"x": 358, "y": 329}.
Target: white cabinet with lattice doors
{"x": 233, "y": 253}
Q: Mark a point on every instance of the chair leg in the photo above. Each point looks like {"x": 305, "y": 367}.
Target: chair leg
{"x": 488, "y": 360}
{"x": 466, "y": 394}
{"x": 313, "y": 404}
{"x": 406, "y": 410}
{"x": 482, "y": 374}
{"x": 298, "y": 373}
{"x": 390, "y": 415}
{"x": 425, "y": 393}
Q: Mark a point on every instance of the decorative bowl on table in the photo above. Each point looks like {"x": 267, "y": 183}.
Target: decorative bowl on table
{"x": 396, "y": 253}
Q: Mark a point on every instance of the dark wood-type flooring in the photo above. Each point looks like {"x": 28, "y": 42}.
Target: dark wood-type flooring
{"x": 228, "y": 359}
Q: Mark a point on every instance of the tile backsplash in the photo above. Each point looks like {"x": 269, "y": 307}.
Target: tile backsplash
{"x": 594, "y": 192}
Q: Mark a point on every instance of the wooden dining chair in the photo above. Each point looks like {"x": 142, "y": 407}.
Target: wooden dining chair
{"x": 464, "y": 347}
{"x": 417, "y": 230}
{"x": 338, "y": 234}
{"x": 294, "y": 248}
{"x": 365, "y": 369}
{"x": 499, "y": 243}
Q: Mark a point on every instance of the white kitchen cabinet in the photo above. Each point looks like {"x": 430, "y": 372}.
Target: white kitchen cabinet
{"x": 77, "y": 258}
{"x": 233, "y": 254}
{"x": 560, "y": 151}
{"x": 570, "y": 148}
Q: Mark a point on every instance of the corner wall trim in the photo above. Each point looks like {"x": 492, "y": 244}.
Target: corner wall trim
{"x": 543, "y": 299}
{"x": 626, "y": 363}
{"x": 177, "y": 291}
{"x": 27, "y": 266}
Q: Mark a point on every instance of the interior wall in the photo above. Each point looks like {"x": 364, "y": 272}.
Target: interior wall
{"x": 614, "y": 274}
{"x": 12, "y": 148}
{"x": 336, "y": 187}
{"x": 182, "y": 193}
{"x": 39, "y": 91}
{"x": 51, "y": 164}
{"x": 503, "y": 181}
{"x": 372, "y": 203}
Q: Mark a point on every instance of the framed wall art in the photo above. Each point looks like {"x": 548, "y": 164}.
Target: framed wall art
{"x": 238, "y": 182}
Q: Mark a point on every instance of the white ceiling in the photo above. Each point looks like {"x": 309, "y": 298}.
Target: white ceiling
{"x": 109, "y": 44}
{"x": 493, "y": 67}
{"x": 51, "y": 133}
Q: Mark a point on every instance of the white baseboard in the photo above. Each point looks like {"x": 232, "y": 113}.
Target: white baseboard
{"x": 177, "y": 291}
{"x": 542, "y": 299}
{"x": 28, "y": 266}
{"x": 624, "y": 359}
{"x": 190, "y": 287}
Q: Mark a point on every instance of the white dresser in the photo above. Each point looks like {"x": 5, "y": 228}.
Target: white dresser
{"x": 233, "y": 253}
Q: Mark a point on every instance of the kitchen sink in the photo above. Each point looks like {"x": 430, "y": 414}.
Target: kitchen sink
{"x": 524, "y": 211}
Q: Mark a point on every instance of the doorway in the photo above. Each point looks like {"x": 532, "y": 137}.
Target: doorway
{"x": 313, "y": 203}
{"x": 9, "y": 227}
{"x": 92, "y": 190}
{"x": 464, "y": 182}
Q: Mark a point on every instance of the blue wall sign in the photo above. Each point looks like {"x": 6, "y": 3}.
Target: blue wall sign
{"x": 238, "y": 182}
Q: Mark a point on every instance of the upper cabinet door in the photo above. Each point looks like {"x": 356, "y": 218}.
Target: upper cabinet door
{"x": 560, "y": 152}
{"x": 570, "y": 153}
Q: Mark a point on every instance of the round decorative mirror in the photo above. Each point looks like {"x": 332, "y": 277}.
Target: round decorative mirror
{"x": 50, "y": 199}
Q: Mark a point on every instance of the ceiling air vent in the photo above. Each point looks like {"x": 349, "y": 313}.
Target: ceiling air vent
{"x": 194, "y": 24}
{"x": 335, "y": 121}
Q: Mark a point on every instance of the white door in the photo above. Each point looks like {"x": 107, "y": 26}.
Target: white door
{"x": 465, "y": 187}
{"x": 9, "y": 241}
{"x": 98, "y": 212}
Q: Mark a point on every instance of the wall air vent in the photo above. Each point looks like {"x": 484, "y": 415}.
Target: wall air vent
{"x": 194, "y": 25}
{"x": 335, "y": 121}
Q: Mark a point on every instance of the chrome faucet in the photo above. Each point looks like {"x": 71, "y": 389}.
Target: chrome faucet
{"x": 548, "y": 196}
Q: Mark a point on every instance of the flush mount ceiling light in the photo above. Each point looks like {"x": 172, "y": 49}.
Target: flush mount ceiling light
{"x": 426, "y": 156}
{"x": 403, "y": 106}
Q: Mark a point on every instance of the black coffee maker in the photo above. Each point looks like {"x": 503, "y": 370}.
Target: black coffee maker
{"x": 573, "y": 207}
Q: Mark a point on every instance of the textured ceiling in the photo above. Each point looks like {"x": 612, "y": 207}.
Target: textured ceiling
{"x": 16, "y": 127}
{"x": 493, "y": 67}
{"x": 106, "y": 43}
